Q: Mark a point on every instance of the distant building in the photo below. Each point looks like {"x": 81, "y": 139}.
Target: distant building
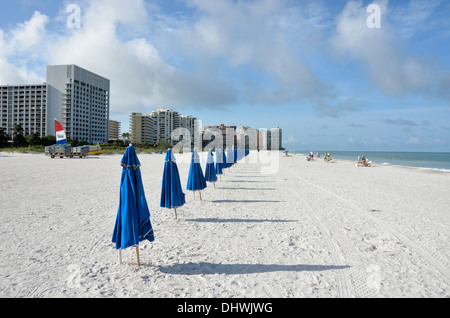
{"x": 141, "y": 129}
{"x": 114, "y": 129}
{"x": 247, "y": 138}
{"x": 159, "y": 126}
{"x": 262, "y": 139}
{"x": 77, "y": 98}
{"x": 228, "y": 134}
{"x": 270, "y": 139}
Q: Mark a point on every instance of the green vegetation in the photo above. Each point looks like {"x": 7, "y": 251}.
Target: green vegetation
{"x": 34, "y": 144}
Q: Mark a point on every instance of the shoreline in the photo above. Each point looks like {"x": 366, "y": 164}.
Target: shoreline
{"x": 385, "y": 164}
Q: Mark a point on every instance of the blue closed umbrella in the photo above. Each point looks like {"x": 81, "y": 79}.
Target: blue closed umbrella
{"x": 240, "y": 154}
{"x": 210, "y": 171}
{"x": 230, "y": 157}
{"x": 219, "y": 162}
{"x": 133, "y": 217}
{"x": 196, "y": 179}
{"x": 172, "y": 195}
{"x": 224, "y": 158}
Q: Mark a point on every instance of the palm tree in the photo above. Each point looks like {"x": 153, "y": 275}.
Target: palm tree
{"x": 18, "y": 138}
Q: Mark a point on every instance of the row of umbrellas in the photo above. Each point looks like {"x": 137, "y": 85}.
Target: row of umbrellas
{"x": 133, "y": 217}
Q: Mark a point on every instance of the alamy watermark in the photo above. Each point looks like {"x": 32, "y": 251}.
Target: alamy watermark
{"x": 74, "y": 19}
{"x": 374, "y": 19}
{"x": 264, "y": 145}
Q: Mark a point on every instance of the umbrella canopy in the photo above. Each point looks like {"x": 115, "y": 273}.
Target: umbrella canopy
{"x": 210, "y": 171}
{"x": 172, "y": 195}
{"x": 219, "y": 162}
{"x": 133, "y": 217}
{"x": 196, "y": 179}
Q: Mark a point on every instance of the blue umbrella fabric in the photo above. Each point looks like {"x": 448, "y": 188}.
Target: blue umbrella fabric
{"x": 225, "y": 161}
{"x": 240, "y": 154}
{"x": 172, "y": 195}
{"x": 133, "y": 217}
{"x": 219, "y": 162}
{"x": 230, "y": 157}
{"x": 196, "y": 179}
{"x": 210, "y": 171}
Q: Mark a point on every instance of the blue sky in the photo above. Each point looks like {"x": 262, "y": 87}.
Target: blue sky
{"x": 313, "y": 68}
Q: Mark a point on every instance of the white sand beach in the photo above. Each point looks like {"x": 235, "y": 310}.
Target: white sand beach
{"x": 311, "y": 229}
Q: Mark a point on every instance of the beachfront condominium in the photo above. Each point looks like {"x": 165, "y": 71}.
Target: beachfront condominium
{"x": 228, "y": 134}
{"x": 24, "y": 105}
{"x": 77, "y": 98}
{"x": 270, "y": 139}
{"x": 158, "y": 126}
{"x": 114, "y": 129}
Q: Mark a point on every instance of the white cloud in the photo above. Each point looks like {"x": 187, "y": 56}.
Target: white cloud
{"x": 290, "y": 140}
{"x": 19, "y": 48}
{"x": 111, "y": 43}
{"x": 390, "y": 67}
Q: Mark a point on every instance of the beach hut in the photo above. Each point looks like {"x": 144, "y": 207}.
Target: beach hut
{"x": 133, "y": 216}
{"x": 196, "y": 179}
{"x": 172, "y": 196}
{"x": 210, "y": 170}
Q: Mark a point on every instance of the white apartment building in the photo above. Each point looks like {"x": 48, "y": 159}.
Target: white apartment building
{"x": 114, "y": 129}
{"x": 24, "y": 105}
{"x": 77, "y": 98}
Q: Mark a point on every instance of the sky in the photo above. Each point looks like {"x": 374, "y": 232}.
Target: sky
{"x": 334, "y": 75}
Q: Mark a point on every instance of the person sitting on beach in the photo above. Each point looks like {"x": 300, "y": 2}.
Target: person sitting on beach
{"x": 363, "y": 160}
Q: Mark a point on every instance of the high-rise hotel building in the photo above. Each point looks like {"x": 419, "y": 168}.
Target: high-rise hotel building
{"x": 77, "y": 98}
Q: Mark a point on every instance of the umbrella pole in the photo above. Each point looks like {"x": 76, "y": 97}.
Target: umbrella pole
{"x": 200, "y": 192}
{"x": 176, "y": 216}
{"x": 137, "y": 256}
{"x": 120, "y": 257}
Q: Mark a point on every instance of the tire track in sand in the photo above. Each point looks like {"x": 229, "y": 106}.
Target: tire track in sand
{"x": 359, "y": 273}
{"x": 343, "y": 280}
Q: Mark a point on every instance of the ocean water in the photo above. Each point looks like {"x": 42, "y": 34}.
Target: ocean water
{"x": 426, "y": 160}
